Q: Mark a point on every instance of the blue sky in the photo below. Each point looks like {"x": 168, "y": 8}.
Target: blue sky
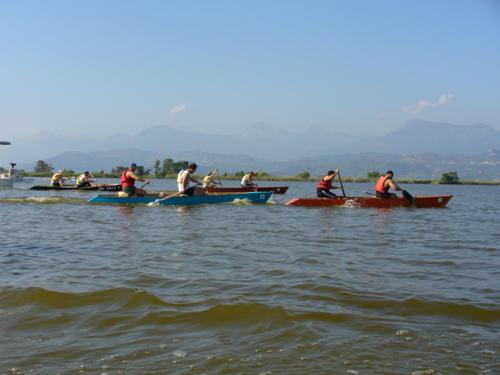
{"x": 101, "y": 67}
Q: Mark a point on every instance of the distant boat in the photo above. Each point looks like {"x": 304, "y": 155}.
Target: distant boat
{"x": 15, "y": 174}
{"x": 6, "y": 180}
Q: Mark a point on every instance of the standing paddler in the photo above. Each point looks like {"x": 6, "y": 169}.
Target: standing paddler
{"x": 128, "y": 180}
{"x": 325, "y": 185}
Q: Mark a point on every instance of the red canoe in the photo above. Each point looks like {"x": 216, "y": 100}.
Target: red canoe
{"x": 438, "y": 201}
{"x": 274, "y": 189}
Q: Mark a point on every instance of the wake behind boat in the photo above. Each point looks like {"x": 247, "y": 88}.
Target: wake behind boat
{"x": 437, "y": 201}
{"x": 183, "y": 200}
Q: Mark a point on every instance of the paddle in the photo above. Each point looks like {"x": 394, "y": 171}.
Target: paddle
{"x": 155, "y": 202}
{"x": 257, "y": 176}
{"x": 407, "y": 195}
{"x": 341, "y": 184}
{"x": 404, "y": 192}
{"x": 218, "y": 176}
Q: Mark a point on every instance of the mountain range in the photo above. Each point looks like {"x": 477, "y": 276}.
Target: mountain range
{"x": 421, "y": 148}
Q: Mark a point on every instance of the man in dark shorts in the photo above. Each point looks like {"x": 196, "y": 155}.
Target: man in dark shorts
{"x": 183, "y": 179}
{"x": 84, "y": 179}
{"x": 325, "y": 185}
{"x": 384, "y": 183}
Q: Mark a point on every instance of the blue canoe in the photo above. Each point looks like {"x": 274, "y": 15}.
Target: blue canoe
{"x": 255, "y": 197}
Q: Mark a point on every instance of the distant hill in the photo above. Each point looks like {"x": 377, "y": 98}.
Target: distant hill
{"x": 420, "y": 136}
{"x": 266, "y": 142}
{"x": 481, "y": 166}
{"x": 106, "y": 160}
{"x": 418, "y": 149}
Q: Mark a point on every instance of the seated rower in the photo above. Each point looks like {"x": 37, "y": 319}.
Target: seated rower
{"x": 58, "y": 179}
{"x": 184, "y": 178}
{"x": 128, "y": 180}
{"x": 84, "y": 179}
{"x": 384, "y": 183}
{"x": 12, "y": 170}
{"x": 325, "y": 185}
{"x": 208, "y": 181}
{"x": 247, "y": 180}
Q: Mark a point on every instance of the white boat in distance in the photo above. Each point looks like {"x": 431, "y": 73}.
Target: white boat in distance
{"x": 6, "y": 180}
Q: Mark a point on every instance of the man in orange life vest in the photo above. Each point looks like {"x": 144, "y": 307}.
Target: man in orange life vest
{"x": 325, "y": 184}
{"x": 384, "y": 183}
{"x": 128, "y": 182}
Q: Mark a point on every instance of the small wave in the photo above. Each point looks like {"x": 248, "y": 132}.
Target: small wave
{"x": 125, "y": 297}
{"x": 242, "y": 314}
{"x": 462, "y": 311}
{"x": 118, "y": 301}
{"x": 242, "y": 202}
{"x": 42, "y": 200}
{"x": 415, "y": 306}
{"x": 350, "y": 203}
{"x": 123, "y": 300}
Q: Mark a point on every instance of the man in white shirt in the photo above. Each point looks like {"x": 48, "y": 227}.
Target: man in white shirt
{"x": 208, "y": 181}
{"x": 247, "y": 180}
{"x": 183, "y": 179}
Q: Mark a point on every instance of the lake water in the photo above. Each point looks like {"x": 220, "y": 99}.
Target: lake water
{"x": 249, "y": 289}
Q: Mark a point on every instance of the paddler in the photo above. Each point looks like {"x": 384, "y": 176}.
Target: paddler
{"x": 84, "y": 179}
{"x": 184, "y": 178}
{"x": 12, "y": 170}
{"x": 384, "y": 183}
{"x": 57, "y": 179}
{"x": 128, "y": 180}
{"x": 247, "y": 180}
{"x": 325, "y": 185}
{"x": 208, "y": 181}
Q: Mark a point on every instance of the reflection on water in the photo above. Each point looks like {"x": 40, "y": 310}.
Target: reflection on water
{"x": 237, "y": 288}
{"x": 126, "y": 211}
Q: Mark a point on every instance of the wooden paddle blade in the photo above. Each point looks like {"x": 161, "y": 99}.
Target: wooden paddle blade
{"x": 408, "y": 195}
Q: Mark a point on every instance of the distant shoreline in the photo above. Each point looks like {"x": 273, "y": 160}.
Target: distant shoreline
{"x": 298, "y": 179}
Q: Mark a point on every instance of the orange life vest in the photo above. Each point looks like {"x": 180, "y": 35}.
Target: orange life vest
{"x": 327, "y": 185}
{"x": 380, "y": 186}
{"x": 126, "y": 180}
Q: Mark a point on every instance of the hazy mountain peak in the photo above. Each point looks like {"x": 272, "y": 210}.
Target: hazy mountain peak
{"x": 263, "y": 130}
{"x": 272, "y": 143}
{"x": 419, "y": 123}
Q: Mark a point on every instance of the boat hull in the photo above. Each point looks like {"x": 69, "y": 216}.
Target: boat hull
{"x": 113, "y": 187}
{"x": 438, "y": 201}
{"x": 273, "y": 189}
{"x": 255, "y": 197}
